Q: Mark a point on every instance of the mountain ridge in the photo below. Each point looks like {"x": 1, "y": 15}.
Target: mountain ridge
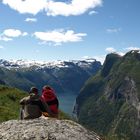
{"x": 21, "y": 63}
{"x": 109, "y": 102}
{"x": 58, "y": 74}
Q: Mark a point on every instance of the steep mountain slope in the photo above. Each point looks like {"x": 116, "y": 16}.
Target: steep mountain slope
{"x": 62, "y": 75}
{"x": 109, "y": 102}
{"x": 14, "y": 78}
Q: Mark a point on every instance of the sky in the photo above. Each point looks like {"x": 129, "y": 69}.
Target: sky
{"x": 48, "y": 30}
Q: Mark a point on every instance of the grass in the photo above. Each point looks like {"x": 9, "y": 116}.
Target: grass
{"x": 9, "y": 104}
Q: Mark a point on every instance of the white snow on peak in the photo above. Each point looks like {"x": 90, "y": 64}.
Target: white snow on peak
{"x": 41, "y": 64}
{"x": 84, "y": 62}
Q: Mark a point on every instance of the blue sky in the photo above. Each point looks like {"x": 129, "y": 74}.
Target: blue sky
{"x": 68, "y": 29}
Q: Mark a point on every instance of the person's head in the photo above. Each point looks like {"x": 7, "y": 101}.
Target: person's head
{"x": 33, "y": 90}
{"x": 47, "y": 87}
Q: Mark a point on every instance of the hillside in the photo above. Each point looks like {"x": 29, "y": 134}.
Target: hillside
{"x": 9, "y": 103}
{"x": 59, "y": 74}
{"x": 109, "y": 102}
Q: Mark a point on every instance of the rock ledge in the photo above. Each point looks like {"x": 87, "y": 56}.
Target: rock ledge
{"x": 44, "y": 129}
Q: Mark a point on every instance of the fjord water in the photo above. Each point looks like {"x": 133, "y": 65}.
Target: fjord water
{"x": 66, "y": 102}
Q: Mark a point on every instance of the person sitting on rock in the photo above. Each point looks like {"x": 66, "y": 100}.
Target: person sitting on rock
{"x": 49, "y": 96}
{"x": 32, "y": 106}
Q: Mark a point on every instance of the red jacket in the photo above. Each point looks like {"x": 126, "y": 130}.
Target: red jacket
{"x": 48, "y": 95}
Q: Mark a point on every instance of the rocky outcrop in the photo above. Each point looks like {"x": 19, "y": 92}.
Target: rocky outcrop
{"x": 127, "y": 90}
{"x": 44, "y": 129}
{"x": 130, "y": 92}
{"x": 109, "y": 102}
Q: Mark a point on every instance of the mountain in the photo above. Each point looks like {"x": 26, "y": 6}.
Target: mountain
{"x": 109, "y": 102}
{"x": 62, "y": 75}
{"x": 44, "y": 129}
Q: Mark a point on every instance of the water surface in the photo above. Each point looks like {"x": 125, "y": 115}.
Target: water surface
{"x": 66, "y": 102}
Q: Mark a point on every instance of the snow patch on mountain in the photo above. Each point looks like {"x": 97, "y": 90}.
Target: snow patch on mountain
{"x": 41, "y": 64}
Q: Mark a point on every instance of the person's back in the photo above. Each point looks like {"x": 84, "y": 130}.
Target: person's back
{"x": 48, "y": 95}
{"x": 30, "y": 110}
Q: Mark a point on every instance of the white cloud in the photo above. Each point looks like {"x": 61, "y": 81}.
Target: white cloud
{"x": 53, "y": 8}
{"x": 113, "y": 50}
{"x": 110, "y": 49}
{"x": 26, "y": 6}
{"x": 121, "y": 53}
{"x": 100, "y": 58}
{"x": 93, "y": 13}
{"x": 76, "y": 7}
{"x": 24, "y": 34}
{"x": 86, "y": 57}
{"x": 4, "y": 38}
{"x": 31, "y": 20}
{"x": 12, "y": 33}
{"x": 9, "y": 34}
{"x": 113, "y": 30}
{"x": 59, "y": 36}
{"x": 132, "y": 48}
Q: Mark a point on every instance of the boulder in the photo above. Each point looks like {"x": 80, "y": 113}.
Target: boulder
{"x": 45, "y": 129}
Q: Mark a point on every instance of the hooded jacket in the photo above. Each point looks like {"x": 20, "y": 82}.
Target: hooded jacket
{"x": 30, "y": 110}
{"x": 48, "y": 95}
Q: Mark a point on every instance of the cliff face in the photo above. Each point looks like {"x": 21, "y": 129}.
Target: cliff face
{"x": 44, "y": 129}
{"x": 109, "y": 102}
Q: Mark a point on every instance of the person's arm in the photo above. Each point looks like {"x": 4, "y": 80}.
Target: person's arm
{"x": 25, "y": 100}
{"x": 21, "y": 113}
{"x": 47, "y": 109}
{"x": 42, "y": 105}
{"x": 22, "y": 101}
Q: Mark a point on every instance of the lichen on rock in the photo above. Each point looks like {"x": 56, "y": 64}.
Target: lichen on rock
{"x": 44, "y": 129}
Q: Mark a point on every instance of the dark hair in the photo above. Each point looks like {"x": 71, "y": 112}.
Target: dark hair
{"x": 33, "y": 90}
{"x": 47, "y": 87}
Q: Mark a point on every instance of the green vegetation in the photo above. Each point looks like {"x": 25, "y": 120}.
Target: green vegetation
{"x": 9, "y": 103}
{"x": 63, "y": 115}
{"x": 14, "y": 78}
{"x": 107, "y": 102}
{"x": 60, "y": 78}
